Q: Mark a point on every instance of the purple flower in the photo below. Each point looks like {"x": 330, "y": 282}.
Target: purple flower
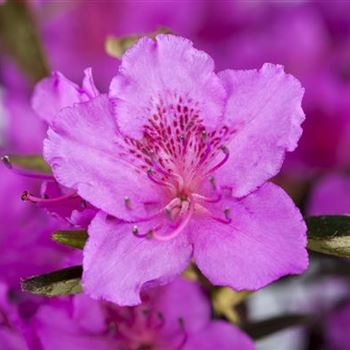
{"x": 11, "y": 337}
{"x": 58, "y": 92}
{"x": 25, "y": 245}
{"x": 178, "y": 160}
{"x": 331, "y": 195}
{"x": 16, "y": 114}
{"x": 164, "y": 321}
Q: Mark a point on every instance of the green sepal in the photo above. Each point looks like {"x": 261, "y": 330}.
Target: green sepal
{"x": 74, "y": 239}
{"x": 34, "y": 163}
{"x": 56, "y": 283}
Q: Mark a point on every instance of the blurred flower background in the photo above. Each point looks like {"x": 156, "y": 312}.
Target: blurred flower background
{"x": 310, "y": 38}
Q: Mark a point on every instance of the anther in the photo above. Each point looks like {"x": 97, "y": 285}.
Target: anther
{"x": 127, "y": 202}
{"x": 135, "y": 231}
{"x": 6, "y": 161}
{"x": 25, "y": 195}
{"x": 212, "y": 182}
{"x": 168, "y": 212}
{"x": 227, "y": 214}
{"x": 224, "y": 149}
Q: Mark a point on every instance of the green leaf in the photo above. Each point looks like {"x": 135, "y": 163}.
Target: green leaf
{"x": 19, "y": 37}
{"x": 75, "y": 239}
{"x": 31, "y": 162}
{"x": 258, "y": 330}
{"x": 329, "y": 234}
{"x": 61, "y": 282}
{"x": 116, "y": 46}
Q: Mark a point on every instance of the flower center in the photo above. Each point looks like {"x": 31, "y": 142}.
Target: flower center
{"x": 138, "y": 327}
{"x": 179, "y": 156}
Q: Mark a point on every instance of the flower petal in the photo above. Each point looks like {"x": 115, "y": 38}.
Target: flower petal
{"x": 173, "y": 301}
{"x": 219, "y": 335}
{"x": 54, "y": 93}
{"x": 155, "y": 74}
{"x": 62, "y": 208}
{"x": 88, "y": 84}
{"x": 117, "y": 264}
{"x": 264, "y": 109}
{"x": 61, "y": 332}
{"x": 11, "y": 340}
{"x": 89, "y": 314}
{"x": 82, "y": 149}
{"x": 265, "y": 240}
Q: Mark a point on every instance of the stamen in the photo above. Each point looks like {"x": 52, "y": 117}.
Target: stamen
{"x": 227, "y": 213}
{"x": 181, "y": 226}
{"x": 208, "y": 199}
{"x": 170, "y": 206}
{"x": 180, "y": 183}
{"x": 212, "y": 182}
{"x": 135, "y": 231}
{"x": 27, "y": 196}
{"x": 149, "y": 234}
{"x": 226, "y": 152}
{"x": 169, "y": 211}
{"x": 6, "y": 161}
{"x": 127, "y": 202}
